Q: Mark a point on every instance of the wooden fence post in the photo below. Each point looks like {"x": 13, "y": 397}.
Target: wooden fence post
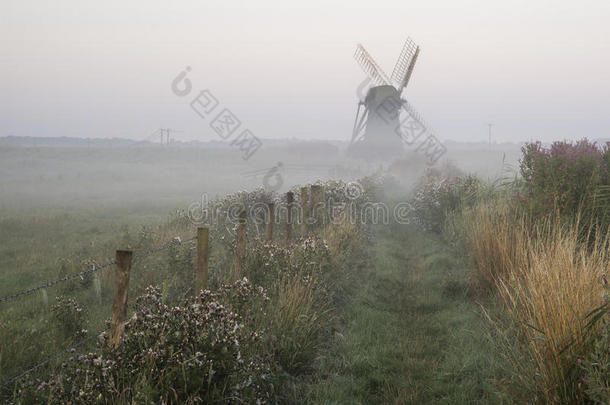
{"x": 241, "y": 241}
{"x": 304, "y": 211}
{"x": 201, "y": 280}
{"x": 289, "y": 204}
{"x": 269, "y": 223}
{"x": 322, "y": 200}
{"x": 119, "y": 307}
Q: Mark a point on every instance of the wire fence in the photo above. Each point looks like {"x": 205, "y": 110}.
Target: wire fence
{"x": 84, "y": 341}
{"x": 82, "y": 274}
{"x": 95, "y": 268}
{"x": 54, "y": 357}
{"x": 174, "y": 242}
{"x": 123, "y": 263}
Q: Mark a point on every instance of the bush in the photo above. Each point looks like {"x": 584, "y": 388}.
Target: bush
{"x": 298, "y": 313}
{"x": 69, "y": 318}
{"x": 268, "y": 261}
{"x": 438, "y": 195}
{"x": 565, "y": 176}
{"x": 199, "y": 352}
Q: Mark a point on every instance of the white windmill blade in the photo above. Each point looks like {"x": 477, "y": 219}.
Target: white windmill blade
{"x": 370, "y": 67}
{"x": 405, "y": 64}
{"x": 407, "y": 77}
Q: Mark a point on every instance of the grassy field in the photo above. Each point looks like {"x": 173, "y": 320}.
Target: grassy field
{"x": 301, "y": 279}
{"x": 401, "y": 316}
{"x": 401, "y": 328}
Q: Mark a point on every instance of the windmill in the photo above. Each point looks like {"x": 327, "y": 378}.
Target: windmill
{"x": 376, "y": 130}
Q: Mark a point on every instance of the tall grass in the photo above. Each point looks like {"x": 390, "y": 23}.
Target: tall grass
{"x": 549, "y": 283}
{"x": 304, "y": 299}
{"x": 494, "y": 237}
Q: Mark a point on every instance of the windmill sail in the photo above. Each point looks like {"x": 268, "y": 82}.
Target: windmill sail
{"x": 370, "y": 67}
{"x": 407, "y": 127}
{"x": 405, "y": 64}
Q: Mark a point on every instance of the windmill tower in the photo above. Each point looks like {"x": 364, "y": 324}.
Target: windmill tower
{"x": 376, "y": 127}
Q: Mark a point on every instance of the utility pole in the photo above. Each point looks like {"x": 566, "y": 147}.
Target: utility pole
{"x": 168, "y": 131}
{"x": 162, "y": 132}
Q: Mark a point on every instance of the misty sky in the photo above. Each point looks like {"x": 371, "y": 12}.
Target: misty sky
{"x": 536, "y": 69}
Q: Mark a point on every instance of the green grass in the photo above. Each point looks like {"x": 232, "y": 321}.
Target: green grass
{"x": 39, "y": 249}
{"x": 411, "y": 334}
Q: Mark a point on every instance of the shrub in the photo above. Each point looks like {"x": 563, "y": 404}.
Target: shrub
{"x": 199, "y": 352}
{"x": 305, "y": 281}
{"x": 69, "y": 318}
{"x": 564, "y": 176}
{"x": 298, "y": 313}
{"x": 438, "y": 195}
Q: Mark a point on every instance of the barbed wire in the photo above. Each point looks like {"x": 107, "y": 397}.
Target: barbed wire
{"x": 174, "y": 242}
{"x": 81, "y": 274}
{"x": 69, "y": 277}
{"x": 57, "y": 355}
{"x": 73, "y": 348}
{"x": 95, "y": 268}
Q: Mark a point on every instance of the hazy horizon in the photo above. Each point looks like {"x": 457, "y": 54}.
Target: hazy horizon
{"x": 536, "y": 70}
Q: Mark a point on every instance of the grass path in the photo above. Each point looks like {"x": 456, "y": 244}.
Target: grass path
{"x": 410, "y": 334}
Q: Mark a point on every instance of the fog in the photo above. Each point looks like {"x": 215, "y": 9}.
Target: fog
{"x": 135, "y": 179}
{"x": 535, "y": 69}
{"x": 294, "y": 181}
{"x": 286, "y": 71}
